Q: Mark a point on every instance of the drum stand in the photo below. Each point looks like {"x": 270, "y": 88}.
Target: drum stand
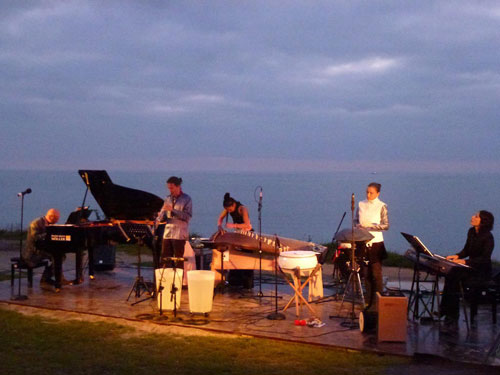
{"x": 298, "y": 287}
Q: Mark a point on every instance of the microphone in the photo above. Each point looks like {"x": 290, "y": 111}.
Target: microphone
{"x": 352, "y": 202}
{"x": 260, "y": 195}
{"x": 27, "y": 191}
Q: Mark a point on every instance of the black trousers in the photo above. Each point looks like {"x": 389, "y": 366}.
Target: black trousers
{"x": 450, "y": 301}
{"x": 372, "y": 272}
{"x": 172, "y": 248}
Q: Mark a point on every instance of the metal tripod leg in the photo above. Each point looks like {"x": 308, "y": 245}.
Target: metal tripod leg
{"x": 353, "y": 284}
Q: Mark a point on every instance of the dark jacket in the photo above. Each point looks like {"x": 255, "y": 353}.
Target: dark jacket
{"x": 36, "y": 236}
{"x": 478, "y": 249}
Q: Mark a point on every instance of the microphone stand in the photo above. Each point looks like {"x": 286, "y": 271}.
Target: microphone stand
{"x": 260, "y": 294}
{"x": 173, "y": 289}
{"x": 21, "y": 297}
{"x": 276, "y": 315}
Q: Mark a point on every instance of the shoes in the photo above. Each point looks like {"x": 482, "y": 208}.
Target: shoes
{"x": 47, "y": 284}
{"x": 66, "y": 282}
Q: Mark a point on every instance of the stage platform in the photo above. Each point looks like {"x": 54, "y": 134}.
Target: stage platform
{"x": 239, "y": 312}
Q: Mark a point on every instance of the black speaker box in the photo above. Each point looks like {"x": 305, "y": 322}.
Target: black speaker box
{"x": 104, "y": 258}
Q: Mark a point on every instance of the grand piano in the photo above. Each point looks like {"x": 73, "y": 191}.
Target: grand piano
{"x": 129, "y": 213}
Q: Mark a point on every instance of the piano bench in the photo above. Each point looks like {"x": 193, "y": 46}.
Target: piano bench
{"x": 487, "y": 293}
{"x": 17, "y": 263}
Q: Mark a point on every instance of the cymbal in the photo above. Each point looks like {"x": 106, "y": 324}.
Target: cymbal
{"x": 359, "y": 234}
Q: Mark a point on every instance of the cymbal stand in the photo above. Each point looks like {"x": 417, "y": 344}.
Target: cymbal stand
{"x": 354, "y": 281}
{"x": 337, "y": 273}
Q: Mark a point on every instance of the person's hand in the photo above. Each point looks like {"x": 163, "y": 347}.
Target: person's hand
{"x": 459, "y": 261}
{"x": 167, "y": 207}
{"x": 452, "y": 257}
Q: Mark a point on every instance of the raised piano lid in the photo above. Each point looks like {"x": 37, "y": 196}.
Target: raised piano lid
{"x": 120, "y": 202}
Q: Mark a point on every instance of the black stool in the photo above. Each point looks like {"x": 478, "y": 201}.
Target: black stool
{"x": 17, "y": 263}
{"x": 487, "y": 293}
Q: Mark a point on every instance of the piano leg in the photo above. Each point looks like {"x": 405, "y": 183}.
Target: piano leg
{"x": 79, "y": 266}
{"x": 91, "y": 262}
{"x": 58, "y": 260}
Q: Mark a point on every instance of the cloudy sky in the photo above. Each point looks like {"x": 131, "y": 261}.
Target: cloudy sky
{"x": 250, "y": 85}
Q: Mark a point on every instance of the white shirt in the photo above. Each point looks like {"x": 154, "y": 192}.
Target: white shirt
{"x": 373, "y": 216}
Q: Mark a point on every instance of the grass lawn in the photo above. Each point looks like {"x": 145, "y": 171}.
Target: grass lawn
{"x": 37, "y": 345}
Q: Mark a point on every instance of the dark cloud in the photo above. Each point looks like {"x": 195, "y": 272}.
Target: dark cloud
{"x": 317, "y": 82}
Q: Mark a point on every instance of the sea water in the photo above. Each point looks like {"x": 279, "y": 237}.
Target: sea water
{"x": 306, "y": 206}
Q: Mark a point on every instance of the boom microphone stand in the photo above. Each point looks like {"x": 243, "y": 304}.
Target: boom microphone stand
{"x": 21, "y": 297}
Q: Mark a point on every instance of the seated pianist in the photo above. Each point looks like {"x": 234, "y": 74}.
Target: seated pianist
{"x": 477, "y": 249}
{"x": 36, "y": 248}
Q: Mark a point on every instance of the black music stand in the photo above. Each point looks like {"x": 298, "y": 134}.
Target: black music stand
{"x": 140, "y": 285}
{"x": 415, "y": 294}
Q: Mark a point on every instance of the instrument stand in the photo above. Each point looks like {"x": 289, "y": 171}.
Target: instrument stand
{"x": 298, "y": 287}
{"x": 19, "y": 296}
{"x": 173, "y": 287}
{"x": 140, "y": 286}
{"x": 353, "y": 286}
{"x": 260, "y": 294}
{"x": 276, "y": 315}
{"x": 337, "y": 272}
{"x": 416, "y": 295}
{"x": 353, "y": 283}
{"x": 338, "y": 283}
{"x": 222, "y": 285}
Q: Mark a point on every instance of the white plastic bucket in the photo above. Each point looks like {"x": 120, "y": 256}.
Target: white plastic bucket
{"x": 200, "y": 290}
{"x": 165, "y": 302}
